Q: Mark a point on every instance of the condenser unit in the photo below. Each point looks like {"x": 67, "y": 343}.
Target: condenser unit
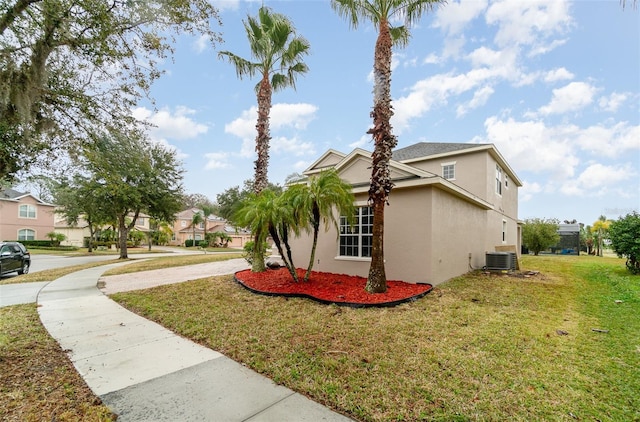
{"x": 501, "y": 261}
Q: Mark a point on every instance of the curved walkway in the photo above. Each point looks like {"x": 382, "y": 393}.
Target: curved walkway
{"x": 145, "y": 372}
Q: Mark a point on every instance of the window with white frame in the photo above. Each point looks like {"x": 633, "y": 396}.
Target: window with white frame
{"x": 504, "y": 231}
{"x": 355, "y": 241}
{"x": 498, "y": 180}
{"x": 26, "y": 234}
{"x": 201, "y": 226}
{"x": 449, "y": 171}
{"x": 27, "y": 211}
{"x": 183, "y": 223}
{"x": 140, "y": 221}
{"x": 506, "y": 181}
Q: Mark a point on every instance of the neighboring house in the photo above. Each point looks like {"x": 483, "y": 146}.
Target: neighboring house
{"x": 75, "y": 234}
{"x": 451, "y": 203}
{"x": 183, "y": 230}
{"x": 24, "y": 216}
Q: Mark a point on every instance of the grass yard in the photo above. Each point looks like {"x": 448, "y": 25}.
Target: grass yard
{"x": 134, "y": 266}
{"x": 476, "y": 348}
{"x": 37, "y": 380}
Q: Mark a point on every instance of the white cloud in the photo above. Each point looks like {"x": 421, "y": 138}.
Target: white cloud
{"x": 572, "y": 97}
{"x": 533, "y": 147}
{"x": 293, "y": 146}
{"x": 558, "y": 74}
{"x": 612, "y": 102}
{"x": 456, "y": 15}
{"x": 217, "y": 160}
{"x": 301, "y": 165}
{"x": 361, "y": 143}
{"x": 480, "y": 98}
{"x": 528, "y": 190}
{"x": 598, "y": 179}
{"x": 201, "y": 43}
{"x": 281, "y": 118}
{"x": 528, "y": 23}
{"x": 608, "y": 141}
{"x": 297, "y": 115}
{"x": 171, "y": 125}
{"x": 226, "y": 4}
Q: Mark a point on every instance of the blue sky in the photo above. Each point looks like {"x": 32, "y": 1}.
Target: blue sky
{"x": 555, "y": 85}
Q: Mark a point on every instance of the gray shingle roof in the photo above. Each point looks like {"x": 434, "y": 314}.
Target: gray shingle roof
{"x": 9, "y": 193}
{"x": 425, "y": 149}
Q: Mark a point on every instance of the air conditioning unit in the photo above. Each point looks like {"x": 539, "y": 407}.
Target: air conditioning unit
{"x": 500, "y": 261}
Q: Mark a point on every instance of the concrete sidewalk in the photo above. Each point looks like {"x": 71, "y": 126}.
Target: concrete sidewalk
{"x": 145, "y": 372}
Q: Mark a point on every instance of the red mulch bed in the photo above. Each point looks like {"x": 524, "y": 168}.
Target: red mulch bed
{"x": 340, "y": 289}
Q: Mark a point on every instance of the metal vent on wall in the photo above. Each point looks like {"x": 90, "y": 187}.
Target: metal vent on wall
{"x": 501, "y": 261}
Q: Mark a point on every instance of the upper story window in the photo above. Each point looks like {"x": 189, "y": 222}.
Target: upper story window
{"x": 449, "y": 171}
{"x": 183, "y": 223}
{"x": 140, "y": 221}
{"x": 498, "y": 180}
{"x": 201, "y": 226}
{"x": 27, "y": 211}
{"x": 356, "y": 240}
{"x": 506, "y": 181}
{"x": 26, "y": 234}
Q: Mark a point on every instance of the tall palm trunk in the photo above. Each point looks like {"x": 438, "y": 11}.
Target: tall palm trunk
{"x": 263, "y": 137}
{"x": 316, "y": 230}
{"x": 384, "y": 142}
{"x": 261, "y": 180}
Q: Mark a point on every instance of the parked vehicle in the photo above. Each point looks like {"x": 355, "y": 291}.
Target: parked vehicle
{"x": 14, "y": 257}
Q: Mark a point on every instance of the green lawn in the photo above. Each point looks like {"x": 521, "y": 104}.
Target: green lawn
{"x": 476, "y": 348}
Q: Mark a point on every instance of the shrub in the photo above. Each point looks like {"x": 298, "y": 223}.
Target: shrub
{"x": 248, "y": 251}
{"x": 540, "y": 234}
{"x": 203, "y": 244}
{"x": 625, "y": 240}
{"x": 56, "y": 238}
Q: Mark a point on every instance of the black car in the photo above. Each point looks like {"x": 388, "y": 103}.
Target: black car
{"x": 14, "y": 257}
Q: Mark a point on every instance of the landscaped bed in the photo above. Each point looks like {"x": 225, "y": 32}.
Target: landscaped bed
{"x": 341, "y": 289}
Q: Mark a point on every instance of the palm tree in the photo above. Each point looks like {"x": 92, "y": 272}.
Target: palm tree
{"x": 277, "y": 51}
{"x": 195, "y": 220}
{"x": 267, "y": 213}
{"x": 207, "y": 210}
{"x": 316, "y": 202}
{"x": 380, "y": 13}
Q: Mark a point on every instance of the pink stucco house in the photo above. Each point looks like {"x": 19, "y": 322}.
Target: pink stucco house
{"x": 24, "y": 216}
{"x": 451, "y": 204}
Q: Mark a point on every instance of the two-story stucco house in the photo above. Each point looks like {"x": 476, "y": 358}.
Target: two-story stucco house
{"x": 24, "y": 216}
{"x": 451, "y": 204}
{"x": 183, "y": 229}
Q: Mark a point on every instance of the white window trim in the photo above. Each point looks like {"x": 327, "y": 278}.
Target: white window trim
{"x": 499, "y": 172}
{"x": 504, "y": 231}
{"x": 35, "y": 211}
{"x": 451, "y": 163}
{"x": 338, "y": 257}
{"x": 35, "y": 234}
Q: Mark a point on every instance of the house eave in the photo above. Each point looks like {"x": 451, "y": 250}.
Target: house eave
{"x": 435, "y": 181}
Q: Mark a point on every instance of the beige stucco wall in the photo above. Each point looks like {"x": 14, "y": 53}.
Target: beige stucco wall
{"x": 433, "y": 232}
{"x": 470, "y": 170}
{"x": 429, "y": 234}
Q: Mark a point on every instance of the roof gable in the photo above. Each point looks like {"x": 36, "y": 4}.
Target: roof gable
{"x": 13, "y": 195}
{"x": 327, "y": 160}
